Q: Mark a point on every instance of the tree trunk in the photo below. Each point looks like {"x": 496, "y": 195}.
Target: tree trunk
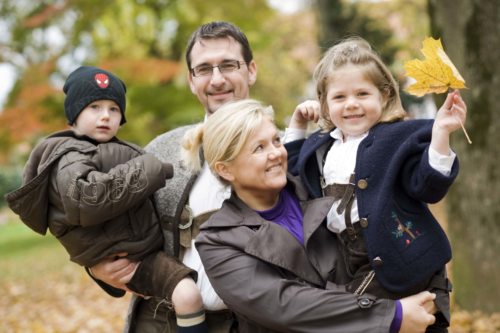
{"x": 469, "y": 30}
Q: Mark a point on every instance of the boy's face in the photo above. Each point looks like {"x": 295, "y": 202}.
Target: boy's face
{"x": 100, "y": 120}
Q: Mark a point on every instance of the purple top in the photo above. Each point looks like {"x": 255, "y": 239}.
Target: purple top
{"x": 398, "y": 318}
{"x": 287, "y": 213}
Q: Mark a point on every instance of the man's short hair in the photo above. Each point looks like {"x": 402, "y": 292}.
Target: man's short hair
{"x": 219, "y": 29}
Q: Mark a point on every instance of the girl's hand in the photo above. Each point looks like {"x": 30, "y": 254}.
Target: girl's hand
{"x": 305, "y": 112}
{"x": 417, "y": 312}
{"x": 115, "y": 270}
{"x": 449, "y": 118}
{"x": 451, "y": 114}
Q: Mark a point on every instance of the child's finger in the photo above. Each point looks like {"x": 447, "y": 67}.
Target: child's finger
{"x": 449, "y": 100}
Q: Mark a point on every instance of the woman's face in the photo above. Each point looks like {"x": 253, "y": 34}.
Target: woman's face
{"x": 259, "y": 171}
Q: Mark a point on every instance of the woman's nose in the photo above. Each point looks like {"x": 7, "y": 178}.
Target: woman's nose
{"x": 276, "y": 152}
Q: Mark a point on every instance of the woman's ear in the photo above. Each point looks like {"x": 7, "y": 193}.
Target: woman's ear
{"x": 224, "y": 171}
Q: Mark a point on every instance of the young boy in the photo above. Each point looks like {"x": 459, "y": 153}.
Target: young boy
{"x": 94, "y": 192}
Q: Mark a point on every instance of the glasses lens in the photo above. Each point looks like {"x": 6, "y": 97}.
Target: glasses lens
{"x": 225, "y": 67}
{"x": 229, "y": 66}
{"x": 202, "y": 70}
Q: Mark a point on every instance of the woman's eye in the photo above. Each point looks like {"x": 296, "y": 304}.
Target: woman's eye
{"x": 258, "y": 148}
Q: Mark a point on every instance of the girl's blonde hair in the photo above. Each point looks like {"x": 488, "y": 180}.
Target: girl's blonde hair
{"x": 224, "y": 133}
{"x": 357, "y": 51}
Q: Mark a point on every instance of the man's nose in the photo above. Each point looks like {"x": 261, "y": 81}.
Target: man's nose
{"x": 217, "y": 76}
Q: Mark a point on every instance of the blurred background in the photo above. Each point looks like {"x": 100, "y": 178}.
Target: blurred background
{"x": 143, "y": 42}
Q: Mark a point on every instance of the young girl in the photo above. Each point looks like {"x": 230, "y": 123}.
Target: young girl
{"x": 382, "y": 172}
{"x": 268, "y": 254}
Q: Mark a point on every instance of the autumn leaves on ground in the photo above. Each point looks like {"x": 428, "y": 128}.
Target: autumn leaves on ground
{"x": 42, "y": 292}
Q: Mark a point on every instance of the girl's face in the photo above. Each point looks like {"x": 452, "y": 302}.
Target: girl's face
{"x": 258, "y": 173}
{"x": 354, "y": 102}
{"x": 100, "y": 120}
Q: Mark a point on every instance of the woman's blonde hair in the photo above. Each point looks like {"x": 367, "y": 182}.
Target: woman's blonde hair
{"x": 224, "y": 133}
{"x": 357, "y": 51}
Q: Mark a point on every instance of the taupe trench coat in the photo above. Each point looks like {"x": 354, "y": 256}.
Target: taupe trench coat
{"x": 275, "y": 284}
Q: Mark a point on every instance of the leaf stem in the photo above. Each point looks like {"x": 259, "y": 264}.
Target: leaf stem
{"x": 463, "y": 129}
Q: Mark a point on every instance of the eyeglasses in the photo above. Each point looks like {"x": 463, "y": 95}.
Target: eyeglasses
{"x": 227, "y": 66}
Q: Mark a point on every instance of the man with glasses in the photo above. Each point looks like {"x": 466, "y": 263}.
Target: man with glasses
{"x": 221, "y": 69}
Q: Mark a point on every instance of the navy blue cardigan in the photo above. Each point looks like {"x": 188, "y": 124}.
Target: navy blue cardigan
{"x": 394, "y": 183}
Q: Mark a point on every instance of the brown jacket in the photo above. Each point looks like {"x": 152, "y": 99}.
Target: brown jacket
{"x": 95, "y": 198}
{"x": 274, "y": 284}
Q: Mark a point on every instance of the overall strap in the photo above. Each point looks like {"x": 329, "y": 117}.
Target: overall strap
{"x": 345, "y": 193}
{"x": 189, "y": 226}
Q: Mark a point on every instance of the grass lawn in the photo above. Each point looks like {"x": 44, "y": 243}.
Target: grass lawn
{"x": 42, "y": 291}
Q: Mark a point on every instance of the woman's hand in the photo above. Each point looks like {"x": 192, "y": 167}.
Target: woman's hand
{"x": 418, "y": 312}
{"x": 115, "y": 270}
{"x": 305, "y": 112}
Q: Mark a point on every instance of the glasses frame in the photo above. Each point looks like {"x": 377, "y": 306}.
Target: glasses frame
{"x": 238, "y": 64}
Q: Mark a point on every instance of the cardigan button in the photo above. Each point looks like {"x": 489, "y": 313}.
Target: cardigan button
{"x": 362, "y": 184}
{"x": 363, "y": 222}
{"x": 377, "y": 261}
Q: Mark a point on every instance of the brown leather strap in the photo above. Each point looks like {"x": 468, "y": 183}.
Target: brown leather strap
{"x": 190, "y": 226}
{"x": 345, "y": 193}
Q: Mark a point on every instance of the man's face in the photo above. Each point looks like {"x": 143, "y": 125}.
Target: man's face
{"x": 218, "y": 88}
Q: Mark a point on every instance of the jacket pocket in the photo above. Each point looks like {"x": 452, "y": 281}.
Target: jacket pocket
{"x": 409, "y": 230}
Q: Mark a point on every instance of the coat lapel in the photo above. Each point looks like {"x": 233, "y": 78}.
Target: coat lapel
{"x": 273, "y": 244}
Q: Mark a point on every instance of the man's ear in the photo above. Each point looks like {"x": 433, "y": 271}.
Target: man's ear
{"x": 191, "y": 84}
{"x": 224, "y": 171}
{"x": 252, "y": 73}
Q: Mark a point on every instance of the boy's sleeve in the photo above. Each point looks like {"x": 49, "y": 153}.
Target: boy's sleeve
{"x": 91, "y": 197}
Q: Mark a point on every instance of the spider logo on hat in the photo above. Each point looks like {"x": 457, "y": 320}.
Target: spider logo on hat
{"x": 102, "y": 80}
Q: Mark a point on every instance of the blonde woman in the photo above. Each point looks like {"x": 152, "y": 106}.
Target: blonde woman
{"x": 267, "y": 252}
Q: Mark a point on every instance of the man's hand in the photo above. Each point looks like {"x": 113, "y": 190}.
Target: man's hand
{"x": 115, "y": 270}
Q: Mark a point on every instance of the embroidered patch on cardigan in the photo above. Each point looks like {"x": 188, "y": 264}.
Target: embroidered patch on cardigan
{"x": 405, "y": 230}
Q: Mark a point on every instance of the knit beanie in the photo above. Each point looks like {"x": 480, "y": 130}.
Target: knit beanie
{"x": 87, "y": 84}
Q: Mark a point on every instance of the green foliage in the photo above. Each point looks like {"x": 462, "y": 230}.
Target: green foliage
{"x": 340, "y": 20}
{"x": 16, "y": 239}
{"x": 10, "y": 179}
{"x": 154, "y": 109}
{"x": 126, "y": 36}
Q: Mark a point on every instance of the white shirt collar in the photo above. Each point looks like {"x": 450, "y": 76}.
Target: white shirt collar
{"x": 338, "y": 135}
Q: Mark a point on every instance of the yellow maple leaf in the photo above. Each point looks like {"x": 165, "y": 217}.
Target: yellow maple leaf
{"x": 435, "y": 74}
